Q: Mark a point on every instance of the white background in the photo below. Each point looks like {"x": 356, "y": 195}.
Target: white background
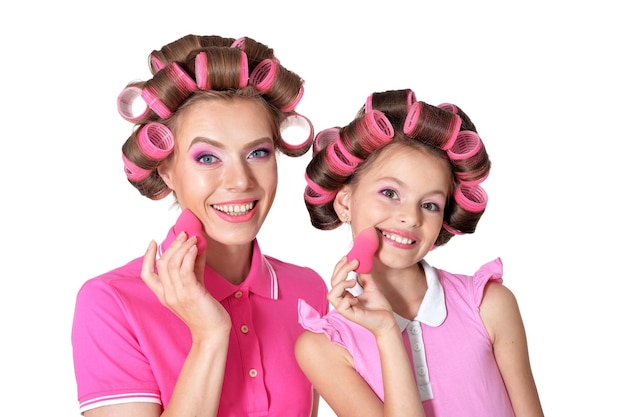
{"x": 542, "y": 80}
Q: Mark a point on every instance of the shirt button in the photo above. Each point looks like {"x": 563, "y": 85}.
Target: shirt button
{"x": 417, "y": 347}
{"x": 415, "y": 329}
{"x": 252, "y": 373}
{"x": 238, "y": 294}
{"x": 421, "y": 371}
{"x": 244, "y": 329}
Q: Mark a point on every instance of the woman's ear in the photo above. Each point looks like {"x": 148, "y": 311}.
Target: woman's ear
{"x": 165, "y": 172}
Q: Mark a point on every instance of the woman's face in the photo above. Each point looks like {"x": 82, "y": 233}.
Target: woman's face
{"x": 403, "y": 194}
{"x": 224, "y": 167}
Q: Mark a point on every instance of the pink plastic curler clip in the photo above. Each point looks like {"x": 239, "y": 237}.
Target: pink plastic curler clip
{"x": 125, "y": 103}
{"x": 472, "y": 198}
{"x": 155, "y": 141}
{"x": 293, "y": 128}
{"x": 364, "y": 247}
{"x": 264, "y": 75}
{"x": 337, "y": 163}
{"x": 155, "y": 104}
{"x": 133, "y": 172}
{"x": 315, "y": 194}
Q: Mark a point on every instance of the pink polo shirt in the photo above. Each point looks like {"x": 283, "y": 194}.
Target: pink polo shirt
{"x": 129, "y": 348}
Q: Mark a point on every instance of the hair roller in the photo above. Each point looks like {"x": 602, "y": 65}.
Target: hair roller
{"x": 451, "y": 230}
{"x": 156, "y": 64}
{"x": 125, "y": 101}
{"x": 432, "y": 125}
{"x": 256, "y": 51}
{"x": 218, "y": 68}
{"x": 155, "y": 141}
{"x": 472, "y": 198}
{"x": 183, "y": 82}
{"x": 277, "y": 83}
{"x": 302, "y": 127}
{"x": 388, "y": 100}
{"x": 133, "y": 172}
{"x": 337, "y": 163}
{"x": 264, "y": 75}
{"x": 315, "y": 194}
{"x": 469, "y": 157}
{"x": 365, "y": 134}
{"x": 201, "y": 64}
{"x": 325, "y": 138}
{"x": 449, "y": 107}
{"x": 155, "y": 103}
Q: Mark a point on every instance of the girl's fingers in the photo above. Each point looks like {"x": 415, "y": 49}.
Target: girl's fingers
{"x": 148, "y": 274}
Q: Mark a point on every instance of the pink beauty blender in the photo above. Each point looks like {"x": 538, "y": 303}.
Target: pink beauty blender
{"x": 187, "y": 222}
{"x": 364, "y": 248}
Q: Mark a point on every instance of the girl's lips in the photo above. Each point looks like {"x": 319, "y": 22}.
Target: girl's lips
{"x": 399, "y": 238}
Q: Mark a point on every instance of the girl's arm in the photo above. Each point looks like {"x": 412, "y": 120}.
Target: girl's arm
{"x": 330, "y": 368}
{"x": 502, "y": 318}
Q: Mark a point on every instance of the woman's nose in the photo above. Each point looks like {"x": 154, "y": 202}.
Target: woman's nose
{"x": 237, "y": 176}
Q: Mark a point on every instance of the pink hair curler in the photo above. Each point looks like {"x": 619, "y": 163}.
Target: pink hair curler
{"x": 125, "y": 102}
{"x": 364, "y": 247}
{"x": 472, "y": 198}
{"x": 155, "y": 141}
{"x": 466, "y": 145}
{"x": 294, "y": 127}
{"x": 325, "y": 137}
{"x": 449, "y": 229}
{"x": 315, "y": 194}
{"x": 243, "y": 70}
{"x": 155, "y": 104}
{"x": 156, "y": 63}
{"x": 133, "y": 172}
{"x": 294, "y": 102}
{"x": 201, "y": 75}
{"x": 264, "y": 75}
{"x": 183, "y": 82}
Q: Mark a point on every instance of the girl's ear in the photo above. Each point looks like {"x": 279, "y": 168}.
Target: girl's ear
{"x": 342, "y": 203}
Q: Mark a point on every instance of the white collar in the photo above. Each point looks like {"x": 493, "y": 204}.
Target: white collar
{"x": 433, "y": 308}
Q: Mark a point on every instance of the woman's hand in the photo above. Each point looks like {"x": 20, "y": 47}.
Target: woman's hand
{"x": 178, "y": 283}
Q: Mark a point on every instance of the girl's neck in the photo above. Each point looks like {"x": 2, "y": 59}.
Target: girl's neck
{"x": 404, "y": 289}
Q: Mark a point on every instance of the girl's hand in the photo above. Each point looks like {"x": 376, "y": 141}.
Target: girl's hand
{"x": 178, "y": 283}
{"x": 369, "y": 309}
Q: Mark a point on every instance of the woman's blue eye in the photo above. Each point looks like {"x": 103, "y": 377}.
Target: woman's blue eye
{"x": 260, "y": 153}
{"x": 207, "y": 158}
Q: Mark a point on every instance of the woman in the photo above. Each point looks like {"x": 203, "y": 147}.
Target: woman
{"x": 203, "y": 324}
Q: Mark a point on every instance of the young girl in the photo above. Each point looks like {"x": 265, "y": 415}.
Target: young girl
{"x": 209, "y": 328}
{"x": 404, "y": 338}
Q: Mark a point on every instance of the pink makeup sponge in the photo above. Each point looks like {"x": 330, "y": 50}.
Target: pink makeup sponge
{"x": 187, "y": 222}
{"x": 364, "y": 248}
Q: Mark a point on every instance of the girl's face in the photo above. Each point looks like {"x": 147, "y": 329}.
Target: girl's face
{"x": 224, "y": 167}
{"x": 403, "y": 194}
